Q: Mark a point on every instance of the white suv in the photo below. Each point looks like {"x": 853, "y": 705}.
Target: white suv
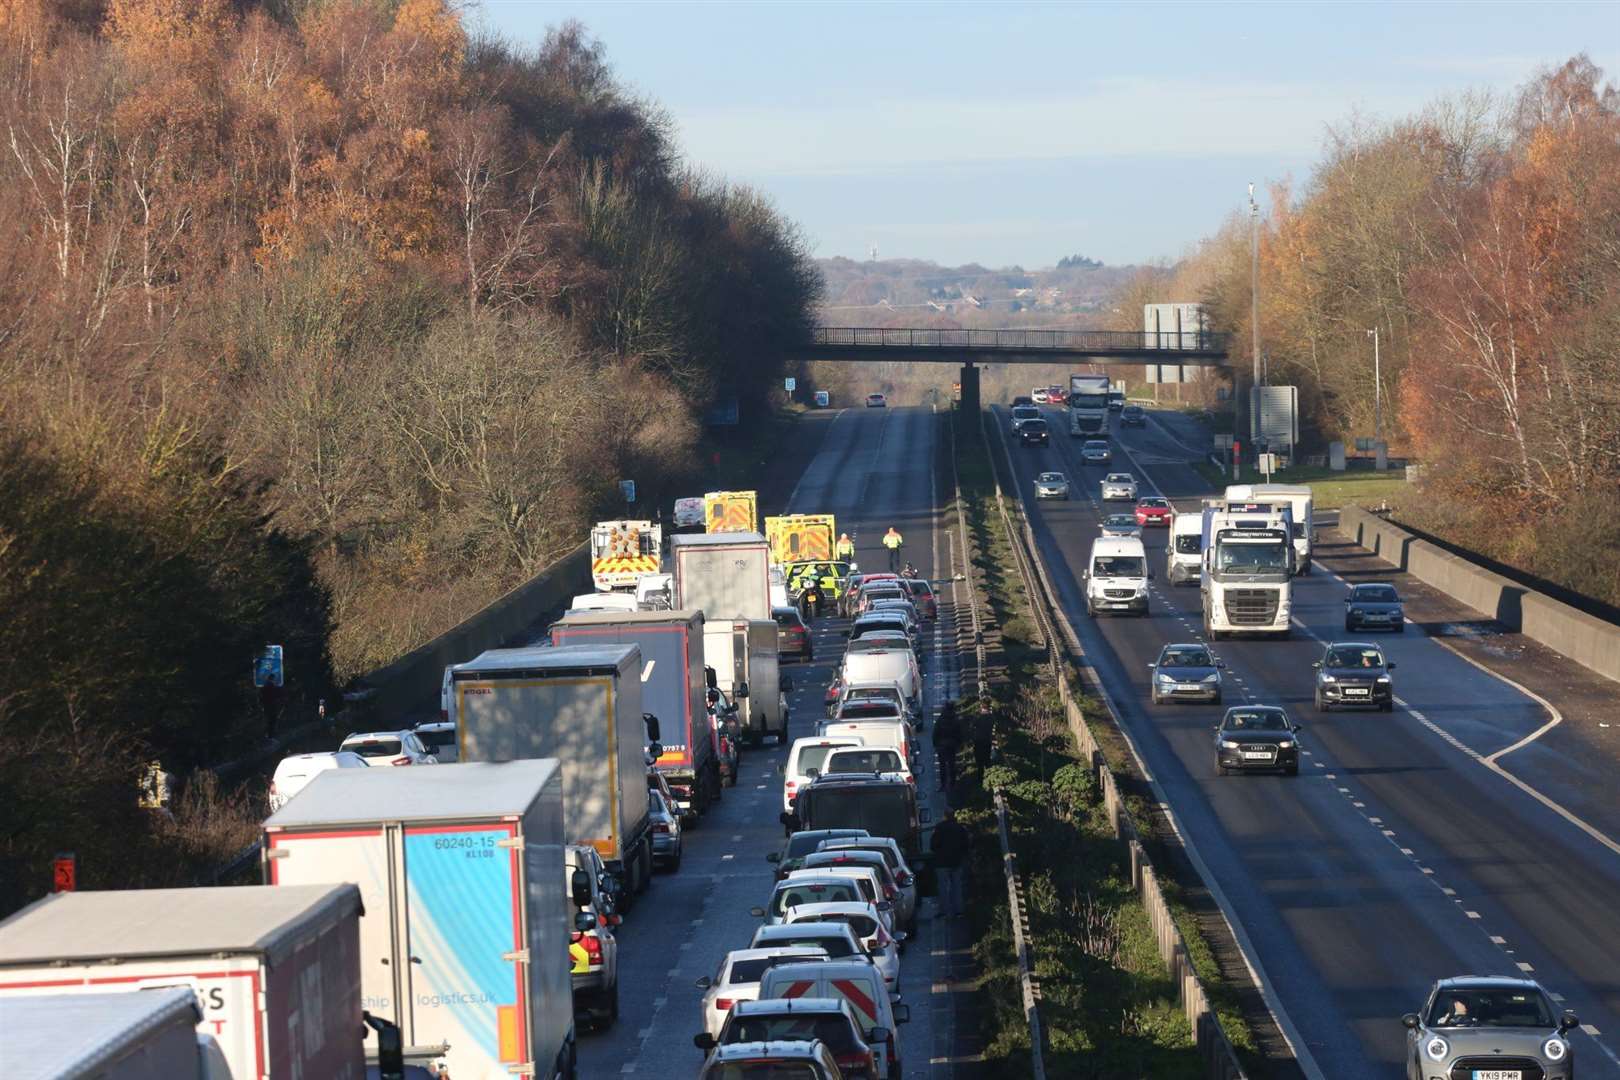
{"x": 294, "y": 773}
{"x": 390, "y": 748}
{"x": 1119, "y": 485}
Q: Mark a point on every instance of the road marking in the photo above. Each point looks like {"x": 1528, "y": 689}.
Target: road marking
{"x": 1472, "y": 914}
{"x": 1522, "y": 966}
{"x": 1498, "y": 940}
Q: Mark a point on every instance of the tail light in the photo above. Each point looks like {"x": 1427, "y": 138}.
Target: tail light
{"x": 904, "y": 879}
{"x": 592, "y": 946}
{"x": 661, "y": 827}
{"x": 888, "y": 892}
{"x": 401, "y": 761}
{"x": 792, "y": 786}
{"x": 723, "y": 1004}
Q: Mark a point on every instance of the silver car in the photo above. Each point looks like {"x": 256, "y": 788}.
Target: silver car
{"x": 1096, "y": 452}
{"x": 1489, "y": 1028}
{"x": 1121, "y": 525}
{"x": 1119, "y": 485}
{"x": 1051, "y": 485}
{"x": 1374, "y": 604}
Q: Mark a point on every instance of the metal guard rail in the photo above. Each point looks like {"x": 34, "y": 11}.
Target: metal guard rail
{"x": 1061, "y": 340}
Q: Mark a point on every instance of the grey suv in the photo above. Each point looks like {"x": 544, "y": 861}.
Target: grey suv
{"x": 1475, "y": 1026}
{"x": 1354, "y": 674}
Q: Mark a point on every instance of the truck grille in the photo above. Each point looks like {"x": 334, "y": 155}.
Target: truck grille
{"x": 1252, "y": 607}
{"x": 1529, "y": 1068}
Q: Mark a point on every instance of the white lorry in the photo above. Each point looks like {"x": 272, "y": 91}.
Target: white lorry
{"x": 1299, "y": 499}
{"x": 727, "y": 576}
{"x": 622, "y": 551}
{"x": 465, "y": 943}
{"x": 276, "y": 972}
{"x": 580, "y": 704}
{"x": 1088, "y": 406}
{"x": 113, "y": 1036}
{"x": 1244, "y": 580}
{"x": 743, "y": 655}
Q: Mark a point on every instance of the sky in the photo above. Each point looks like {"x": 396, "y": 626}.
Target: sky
{"x": 1017, "y": 133}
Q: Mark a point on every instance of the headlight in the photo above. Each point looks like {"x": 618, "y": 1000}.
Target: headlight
{"x": 1166, "y": 678}
{"x": 1213, "y": 677}
{"x": 1285, "y": 744}
{"x": 1383, "y": 679}
{"x": 1357, "y": 611}
{"x": 1328, "y": 678}
{"x": 1437, "y": 1048}
{"x": 1228, "y": 744}
{"x": 1555, "y": 1048}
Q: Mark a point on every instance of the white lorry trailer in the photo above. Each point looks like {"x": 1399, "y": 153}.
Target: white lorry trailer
{"x": 672, "y": 689}
{"x": 727, "y": 576}
{"x": 1299, "y": 499}
{"x": 1088, "y": 406}
{"x": 743, "y": 655}
{"x": 582, "y": 706}
{"x": 276, "y": 972}
{"x": 465, "y": 940}
{"x": 1244, "y": 579}
{"x": 113, "y": 1036}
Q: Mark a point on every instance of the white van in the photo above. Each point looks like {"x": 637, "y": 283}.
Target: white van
{"x": 857, "y": 982}
{"x": 805, "y": 760}
{"x": 891, "y": 733}
{"x": 897, "y": 666}
{"x": 294, "y": 773}
{"x": 1184, "y": 549}
{"x": 1117, "y": 576}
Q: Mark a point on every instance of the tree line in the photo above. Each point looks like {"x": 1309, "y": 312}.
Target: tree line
{"x": 322, "y": 322}
{"x": 1481, "y": 237}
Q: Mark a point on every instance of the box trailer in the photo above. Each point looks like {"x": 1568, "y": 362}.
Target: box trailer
{"x": 150, "y": 1036}
{"x": 723, "y": 575}
{"x": 277, "y": 972}
{"x": 580, "y": 704}
{"x": 672, "y": 689}
{"x": 465, "y": 944}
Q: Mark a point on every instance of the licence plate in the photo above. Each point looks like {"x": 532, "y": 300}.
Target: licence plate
{"x": 1355, "y": 691}
{"x": 1256, "y": 755}
{"x": 1497, "y": 1074}
{"x": 1189, "y": 686}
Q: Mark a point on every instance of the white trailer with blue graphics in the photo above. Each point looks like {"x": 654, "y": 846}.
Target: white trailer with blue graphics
{"x": 464, "y": 942}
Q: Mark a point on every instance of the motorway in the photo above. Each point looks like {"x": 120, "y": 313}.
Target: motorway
{"x": 1396, "y": 857}
{"x": 875, "y": 468}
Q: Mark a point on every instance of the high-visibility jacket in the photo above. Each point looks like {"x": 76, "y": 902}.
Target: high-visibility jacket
{"x": 892, "y": 541}
{"x": 846, "y": 548}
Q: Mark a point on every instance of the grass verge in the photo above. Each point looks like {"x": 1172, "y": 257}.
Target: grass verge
{"x": 1108, "y": 1005}
{"x": 1330, "y": 489}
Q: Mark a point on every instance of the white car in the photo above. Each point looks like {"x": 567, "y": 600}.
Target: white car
{"x": 439, "y": 736}
{"x": 737, "y": 979}
{"x": 882, "y": 760}
{"x": 799, "y": 889}
{"x": 804, "y": 762}
{"x": 889, "y": 848}
{"x": 1051, "y": 485}
{"x": 871, "y": 886}
{"x": 293, "y": 773}
{"x": 903, "y": 905}
{"x": 390, "y": 748}
{"x": 866, "y": 923}
{"x": 1119, "y": 485}
{"x": 836, "y": 938}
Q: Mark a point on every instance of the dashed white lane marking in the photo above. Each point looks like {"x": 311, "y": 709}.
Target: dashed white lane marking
{"x": 660, "y": 1002}
{"x": 1522, "y": 966}
{"x": 1590, "y": 1029}
{"x": 737, "y": 837}
{"x": 1472, "y": 914}
{"x": 1498, "y": 940}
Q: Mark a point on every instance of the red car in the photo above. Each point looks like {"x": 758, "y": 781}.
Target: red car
{"x": 922, "y": 597}
{"x": 1153, "y": 510}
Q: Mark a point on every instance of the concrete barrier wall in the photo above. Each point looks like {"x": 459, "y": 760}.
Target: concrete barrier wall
{"x": 410, "y": 685}
{"x": 1583, "y": 638}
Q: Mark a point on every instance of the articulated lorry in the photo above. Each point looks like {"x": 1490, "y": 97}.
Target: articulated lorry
{"x": 727, "y": 578}
{"x": 1299, "y": 499}
{"x": 1088, "y": 406}
{"x": 672, "y": 689}
{"x": 465, "y": 940}
{"x": 276, "y": 973}
{"x": 622, "y": 552}
{"x": 581, "y": 705}
{"x": 1244, "y": 579}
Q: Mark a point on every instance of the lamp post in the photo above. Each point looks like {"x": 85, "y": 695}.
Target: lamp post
{"x": 1254, "y": 304}
{"x": 1378, "y": 391}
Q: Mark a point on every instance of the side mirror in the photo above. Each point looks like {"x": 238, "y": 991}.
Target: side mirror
{"x": 656, "y": 749}
{"x": 757, "y": 912}
{"x": 703, "y": 984}
{"x": 1152, "y": 666}
{"x": 902, "y": 1013}
{"x": 584, "y": 920}
{"x": 1410, "y": 1021}
{"x": 884, "y": 905}
{"x": 787, "y": 684}
{"x": 579, "y": 887}
{"x": 1568, "y": 1022}
{"x": 704, "y": 1041}
{"x": 1085, "y": 575}
{"x": 742, "y": 691}
{"x": 1150, "y": 575}
{"x": 710, "y": 679}
{"x": 610, "y": 884}
{"x": 789, "y": 819}
{"x": 1299, "y": 727}
{"x": 1316, "y": 663}
{"x": 877, "y": 1035}
{"x": 651, "y": 723}
{"x": 774, "y": 856}
{"x": 1390, "y": 666}
{"x": 1214, "y": 727}
{"x": 713, "y": 696}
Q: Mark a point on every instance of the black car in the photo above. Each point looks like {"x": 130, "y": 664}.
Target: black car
{"x": 1256, "y": 737}
{"x": 1033, "y": 433}
{"x": 1354, "y": 674}
{"x": 1372, "y": 605}
{"x": 1133, "y": 416}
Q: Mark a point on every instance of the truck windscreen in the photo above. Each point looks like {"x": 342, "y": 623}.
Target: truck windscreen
{"x": 1246, "y": 557}
{"x": 1088, "y": 401}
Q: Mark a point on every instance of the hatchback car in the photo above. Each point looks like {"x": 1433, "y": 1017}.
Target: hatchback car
{"x": 1034, "y": 433}
{"x": 390, "y": 748}
{"x": 1497, "y": 1027}
{"x": 836, "y": 938}
{"x": 904, "y": 901}
{"x": 1154, "y": 510}
{"x": 796, "y": 1060}
{"x": 1096, "y": 452}
{"x": 889, "y": 848}
{"x": 737, "y": 979}
{"x": 439, "y": 736}
{"x": 1133, "y": 416}
{"x": 1256, "y": 737}
{"x": 1021, "y": 415}
{"x": 868, "y": 922}
{"x": 666, "y": 832}
{"x": 876, "y": 401}
{"x": 1354, "y": 674}
{"x": 1186, "y": 672}
{"x": 294, "y": 773}
{"x": 1051, "y": 485}
{"x": 829, "y": 1021}
{"x": 922, "y": 597}
{"x": 1372, "y": 605}
{"x": 1119, "y": 485}
{"x": 792, "y": 636}
{"x": 1121, "y": 525}
{"x": 802, "y": 843}
{"x": 803, "y": 887}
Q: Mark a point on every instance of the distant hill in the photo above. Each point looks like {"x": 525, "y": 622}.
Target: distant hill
{"x": 914, "y": 292}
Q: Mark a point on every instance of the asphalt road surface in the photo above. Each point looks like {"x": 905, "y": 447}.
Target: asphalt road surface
{"x": 876, "y": 468}
{"x": 1397, "y": 856}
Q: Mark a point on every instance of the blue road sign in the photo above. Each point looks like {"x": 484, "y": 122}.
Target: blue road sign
{"x": 267, "y": 667}
{"x": 627, "y": 488}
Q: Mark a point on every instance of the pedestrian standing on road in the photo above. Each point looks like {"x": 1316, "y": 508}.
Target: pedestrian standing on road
{"x": 894, "y": 542}
{"x": 846, "y": 547}
{"x": 950, "y": 847}
{"x": 947, "y": 740}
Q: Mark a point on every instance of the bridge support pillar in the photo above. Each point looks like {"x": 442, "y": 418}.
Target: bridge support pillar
{"x": 969, "y": 377}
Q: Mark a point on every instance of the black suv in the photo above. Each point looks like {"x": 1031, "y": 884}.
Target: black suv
{"x": 1354, "y": 674}
{"x": 1133, "y": 416}
{"x": 1033, "y": 433}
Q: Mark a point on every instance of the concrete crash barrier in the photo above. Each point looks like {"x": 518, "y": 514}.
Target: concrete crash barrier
{"x": 411, "y": 682}
{"x": 1586, "y": 639}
